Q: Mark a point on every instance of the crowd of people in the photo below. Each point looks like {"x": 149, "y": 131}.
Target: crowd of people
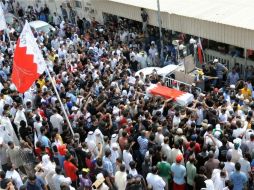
{"x": 122, "y": 138}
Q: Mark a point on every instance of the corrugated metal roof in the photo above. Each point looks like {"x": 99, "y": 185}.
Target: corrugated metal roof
{"x": 238, "y": 13}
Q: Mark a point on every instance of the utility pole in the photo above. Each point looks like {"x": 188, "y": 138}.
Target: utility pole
{"x": 161, "y": 39}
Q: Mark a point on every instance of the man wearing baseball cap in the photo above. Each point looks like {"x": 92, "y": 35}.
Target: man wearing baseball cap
{"x": 178, "y": 173}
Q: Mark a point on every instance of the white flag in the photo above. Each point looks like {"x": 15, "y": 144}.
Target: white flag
{"x": 3, "y": 25}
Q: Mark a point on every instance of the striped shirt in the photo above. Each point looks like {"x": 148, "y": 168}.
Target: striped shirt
{"x": 143, "y": 144}
{"x": 107, "y": 165}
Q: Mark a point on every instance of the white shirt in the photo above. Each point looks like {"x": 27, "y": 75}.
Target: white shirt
{"x": 200, "y": 115}
{"x": 174, "y": 154}
{"x": 238, "y": 132}
{"x": 229, "y": 167}
{"x": 37, "y": 126}
{"x": 176, "y": 121}
{"x": 2, "y": 103}
{"x": 155, "y": 181}
{"x": 14, "y": 175}
{"x": 58, "y": 179}
{"x": 20, "y": 115}
{"x": 121, "y": 179}
{"x": 133, "y": 172}
{"x": 223, "y": 118}
{"x": 159, "y": 138}
{"x": 127, "y": 158}
{"x": 236, "y": 154}
{"x": 166, "y": 150}
{"x": 57, "y": 121}
{"x": 152, "y": 52}
{"x": 250, "y": 145}
{"x": 245, "y": 166}
{"x": 218, "y": 181}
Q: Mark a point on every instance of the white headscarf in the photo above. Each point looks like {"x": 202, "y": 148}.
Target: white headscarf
{"x": 114, "y": 138}
{"x": 62, "y": 25}
{"x": 46, "y": 164}
{"x": 7, "y": 131}
{"x": 20, "y": 115}
{"x": 209, "y": 184}
{"x": 91, "y": 142}
{"x": 114, "y": 152}
{"x": 99, "y": 138}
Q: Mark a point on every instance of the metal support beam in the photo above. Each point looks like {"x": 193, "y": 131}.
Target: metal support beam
{"x": 160, "y": 26}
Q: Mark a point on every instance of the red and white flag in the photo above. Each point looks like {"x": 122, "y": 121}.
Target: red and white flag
{"x": 182, "y": 98}
{"x": 200, "y": 52}
{"x": 28, "y": 62}
{"x": 3, "y": 25}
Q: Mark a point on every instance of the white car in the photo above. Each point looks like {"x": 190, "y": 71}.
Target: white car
{"x": 164, "y": 71}
{"x": 41, "y": 26}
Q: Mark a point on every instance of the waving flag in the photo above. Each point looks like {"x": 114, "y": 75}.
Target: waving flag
{"x": 28, "y": 61}
{"x": 3, "y": 25}
{"x": 200, "y": 51}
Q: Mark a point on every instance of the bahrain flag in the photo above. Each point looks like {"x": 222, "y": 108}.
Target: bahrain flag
{"x": 200, "y": 52}
{"x": 28, "y": 62}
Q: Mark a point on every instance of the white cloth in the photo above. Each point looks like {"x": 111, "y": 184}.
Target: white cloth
{"x": 133, "y": 172}
{"x": 127, "y": 158}
{"x": 14, "y": 175}
{"x": 155, "y": 181}
{"x": 20, "y": 115}
{"x": 245, "y": 166}
{"x": 98, "y": 136}
{"x": 121, "y": 179}
{"x": 6, "y": 122}
{"x": 166, "y": 150}
{"x": 57, "y": 122}
{"x": 58, "y": 179}
{"x": 159, "y": 138}
{"x": 91, "y": 142}
{"x": 218, "y": 181}
{"x": 229, "y": 167}
{"x": 236, "y": 154}
{"x": 46, "y": 164}
{"x": 37, "y": 126}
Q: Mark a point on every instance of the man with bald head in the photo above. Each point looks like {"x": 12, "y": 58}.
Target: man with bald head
{"x": 211, "y": 164}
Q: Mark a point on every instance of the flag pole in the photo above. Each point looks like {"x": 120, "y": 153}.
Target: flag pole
{"x": 59, "y": 99}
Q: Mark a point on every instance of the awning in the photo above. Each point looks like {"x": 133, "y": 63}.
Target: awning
{"x": 182, "y": 98}
{"x": 226, "y": 21}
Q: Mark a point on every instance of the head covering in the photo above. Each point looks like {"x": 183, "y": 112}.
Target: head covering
{"x": 91, "y": 141}
{"x": 46, "y": 163}
{"x": 98, "y": 136}
{"x": 179, "y": 158}
{"x": 237, "y": 143}
{"x": 114, "y": 138}
{"x": 215, "y": 61}
{"x": 74, "y": 108}
{"x": 179, "y": 131}
{"x": 114, "y": 145}
{"x": 124, "y": 93}
{"x": 86, "y": 170}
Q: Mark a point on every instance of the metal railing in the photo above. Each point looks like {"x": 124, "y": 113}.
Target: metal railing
{"x": 228, "y": 60}
{"x": 179, "y": 85}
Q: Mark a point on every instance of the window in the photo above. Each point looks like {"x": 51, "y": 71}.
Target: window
{"x": 78, "y": 4}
